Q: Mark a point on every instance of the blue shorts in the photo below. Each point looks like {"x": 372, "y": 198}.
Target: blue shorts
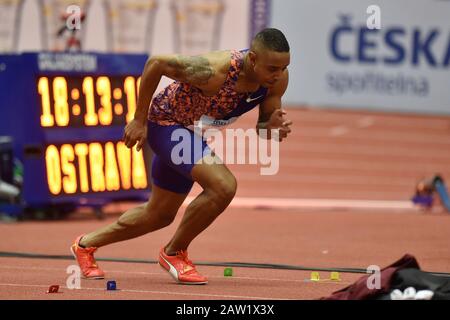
{"x": 176, "y": 150}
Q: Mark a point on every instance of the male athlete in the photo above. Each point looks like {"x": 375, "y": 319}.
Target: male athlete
{"x": 214, "y": 86}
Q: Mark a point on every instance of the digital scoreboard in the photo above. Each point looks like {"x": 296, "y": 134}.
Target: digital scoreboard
{"x": 66, "y": 113}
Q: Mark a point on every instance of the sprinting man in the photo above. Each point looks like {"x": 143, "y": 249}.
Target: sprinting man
{"x": 214, "y": 86}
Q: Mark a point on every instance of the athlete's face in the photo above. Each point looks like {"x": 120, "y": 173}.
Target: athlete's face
{"x": 269, "y": 66}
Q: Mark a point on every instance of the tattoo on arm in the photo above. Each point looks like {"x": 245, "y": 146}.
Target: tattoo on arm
{"x": 196, "y": 70}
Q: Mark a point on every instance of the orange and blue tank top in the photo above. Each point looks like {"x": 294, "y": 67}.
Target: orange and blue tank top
{"x": 184, "y": 104}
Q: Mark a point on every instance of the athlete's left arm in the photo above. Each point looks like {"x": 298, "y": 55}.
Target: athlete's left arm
{"x": 271, "y": 115}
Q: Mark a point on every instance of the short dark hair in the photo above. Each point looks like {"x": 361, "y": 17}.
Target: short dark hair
{"x": 272, "y": 39}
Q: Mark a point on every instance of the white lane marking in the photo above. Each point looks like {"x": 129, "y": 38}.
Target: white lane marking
{"x": 365, "y": 122}
{"x": 161, "y": 273}
{"x": 151, "y": 291}
{"x": 279, "y": 203}
{"x": 338, "y": 131}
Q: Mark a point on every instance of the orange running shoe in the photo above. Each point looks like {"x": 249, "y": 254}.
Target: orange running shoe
{"x": 86, "y": 260}
{"x": 181, "y": 268}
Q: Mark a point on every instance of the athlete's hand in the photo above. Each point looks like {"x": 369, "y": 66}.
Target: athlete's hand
{"x": 135, "y": 131}
{"x": 279, "y": 121}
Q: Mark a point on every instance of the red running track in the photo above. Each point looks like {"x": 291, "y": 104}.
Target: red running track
{"x": 354, "y": 239}
{"x": 330, "y": 155}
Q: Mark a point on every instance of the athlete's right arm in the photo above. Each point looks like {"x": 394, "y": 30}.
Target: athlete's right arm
{"x": 195, "y": 70}
{"x": 136, "y": 130}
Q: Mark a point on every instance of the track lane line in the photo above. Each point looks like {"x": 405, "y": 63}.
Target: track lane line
{"x": 149, "y": 291}
{"x": 162, "y": 273}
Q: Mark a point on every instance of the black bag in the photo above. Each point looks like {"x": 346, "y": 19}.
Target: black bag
{"x": 419, "y": 280}
{"x": 402, "y": 274}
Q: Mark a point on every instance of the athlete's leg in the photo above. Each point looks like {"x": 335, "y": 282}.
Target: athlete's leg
{"x": 219, "y": 187}
{"x": 169, "y": 191}
{"x": 157, "y": 213}
{"x": 170, "y": 188}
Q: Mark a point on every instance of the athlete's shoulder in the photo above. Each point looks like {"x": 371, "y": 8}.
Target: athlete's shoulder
{"x": 221, "y": 60}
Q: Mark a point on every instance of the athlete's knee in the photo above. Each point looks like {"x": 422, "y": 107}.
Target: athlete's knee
{"x": 132, "y": 217}
{"x": 224, "y": 189}
{"x": 149, "y": 215}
